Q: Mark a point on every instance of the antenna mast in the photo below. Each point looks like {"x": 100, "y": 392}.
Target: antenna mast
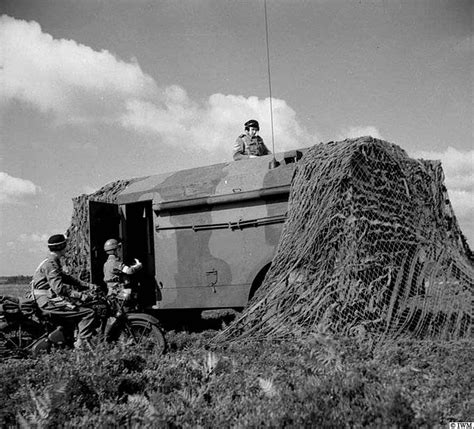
{"x": 274, "y": 163}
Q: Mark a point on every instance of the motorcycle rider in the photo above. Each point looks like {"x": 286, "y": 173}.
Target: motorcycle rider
{"x": 116, "y": 273}
{"x": 62, "y": 295}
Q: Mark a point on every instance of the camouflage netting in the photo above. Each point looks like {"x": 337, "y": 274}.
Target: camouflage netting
{"x": 371, "y": 246}
{"x": 77, "y": 258}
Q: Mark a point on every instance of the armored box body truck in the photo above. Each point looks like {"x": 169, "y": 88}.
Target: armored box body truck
{"x": 206, "y": 236}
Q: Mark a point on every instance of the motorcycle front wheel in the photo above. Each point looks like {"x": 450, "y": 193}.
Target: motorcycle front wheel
{"x": 137, "y": 332}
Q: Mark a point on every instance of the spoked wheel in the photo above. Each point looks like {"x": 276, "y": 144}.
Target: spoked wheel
{"x": 17, "y": 339}
{"x": 139, "y": 333}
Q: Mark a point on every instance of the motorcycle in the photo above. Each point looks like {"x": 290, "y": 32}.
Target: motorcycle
{"x": 25, "y": 329}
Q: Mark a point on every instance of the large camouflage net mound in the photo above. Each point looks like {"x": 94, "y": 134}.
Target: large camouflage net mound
{"x": 77, "y": 258}
{"x": 371, "y": 246}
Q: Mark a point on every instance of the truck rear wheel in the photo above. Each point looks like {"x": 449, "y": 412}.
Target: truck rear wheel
{"x": 258, "y": 280}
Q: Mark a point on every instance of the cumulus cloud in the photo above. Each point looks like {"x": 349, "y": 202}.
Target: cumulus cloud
{"x": 33, "y": 238}
{"x": 61, "y": 76}
{"x": 34, "y": 243}
{"x": 14, "y": 189}
{"x": 359, "y": 131}
{"x": 78, "y": 84}
{"x": 179, "y": 120}
{"x": 458, "y": 167}
{"x": 464, "y": 45}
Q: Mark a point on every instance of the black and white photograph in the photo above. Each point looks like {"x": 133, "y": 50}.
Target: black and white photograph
{"x": 236, "y": 213}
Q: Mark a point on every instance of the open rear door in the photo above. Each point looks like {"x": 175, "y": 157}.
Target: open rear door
{"x": 104, "y": 223}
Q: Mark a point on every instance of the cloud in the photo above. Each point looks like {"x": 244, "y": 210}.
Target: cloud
{"x": 458, "y": 167}
{"x": 359, "y": 131}
{"x": 71, "y": 80}
{"x": 178, "y": 120}
{"x": 464, "y": 45}
{"x": 13, "y": 189}
{"x": 34, "y": 243}
{"x": 33, "y": 238}
{"x": 78, "y": 85}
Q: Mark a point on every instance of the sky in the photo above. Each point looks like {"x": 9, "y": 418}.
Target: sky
{"x": 93, "y": 91}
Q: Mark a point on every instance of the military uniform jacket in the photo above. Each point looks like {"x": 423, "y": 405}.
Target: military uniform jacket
{"x": 113, "y": 272}
{"x": 245, "y": 145}
{"x": 50, "y": 281}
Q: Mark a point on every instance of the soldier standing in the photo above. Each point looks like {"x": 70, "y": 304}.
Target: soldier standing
{"x": 116, "y": 273}
{"x": 58, "y": 293}
{"x": 250, "y": 144}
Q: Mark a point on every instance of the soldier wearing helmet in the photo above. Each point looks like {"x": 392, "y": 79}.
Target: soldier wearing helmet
{"x": 116, "y": 273}
{"x": 249, "y": 144}
{"x": 62, "y": 295}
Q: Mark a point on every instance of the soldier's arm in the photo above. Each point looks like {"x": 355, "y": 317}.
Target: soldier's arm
{"x": 76, "y": 283}
{"x": 266, "y": 151}
{"x": 57, "y": 283}
{"x": 239, "y": 150}
{"x": 133, "y": 268}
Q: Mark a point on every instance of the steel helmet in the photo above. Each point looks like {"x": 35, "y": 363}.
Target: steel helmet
{"x": 252, "y": 123}
{"x": 111, "y": 244}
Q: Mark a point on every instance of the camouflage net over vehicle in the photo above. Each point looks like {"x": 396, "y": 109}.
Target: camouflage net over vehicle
{"x": 77, "y": 260}
{"x": 370, "y": 246}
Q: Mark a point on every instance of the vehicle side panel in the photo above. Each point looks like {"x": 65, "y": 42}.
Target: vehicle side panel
{"x": 209, "y": 268}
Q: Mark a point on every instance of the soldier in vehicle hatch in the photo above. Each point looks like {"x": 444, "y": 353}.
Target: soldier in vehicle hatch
{"x": 249, "y": 144}
{"x": 116, "y": 273}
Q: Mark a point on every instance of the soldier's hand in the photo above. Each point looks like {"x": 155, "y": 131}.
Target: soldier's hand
{"x": 138, "y": 265}
{"x": 85, "y": 296}
{"x": 76, "y": 294}
{"x": 81, "y": 296}
{"x": 94, "y": 288}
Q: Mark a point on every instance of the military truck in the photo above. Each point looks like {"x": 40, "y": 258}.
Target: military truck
{"x": 206, "y": 236}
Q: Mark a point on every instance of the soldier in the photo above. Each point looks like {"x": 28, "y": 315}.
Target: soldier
{"x": 116, "y": 273}
{"x": 58, "y": 293}
{"x": 249, "y": 144}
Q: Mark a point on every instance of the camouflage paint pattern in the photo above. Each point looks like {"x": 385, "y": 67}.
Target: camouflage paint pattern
{"x": 215, "y": 228}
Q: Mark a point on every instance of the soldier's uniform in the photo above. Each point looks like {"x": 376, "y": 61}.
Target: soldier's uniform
{"x": 246, "y": 145}
{"x": 114, "y": 276}
{"x": 53, "y": 291}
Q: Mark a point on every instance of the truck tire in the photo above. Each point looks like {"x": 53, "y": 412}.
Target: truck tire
{"x": 258, "y": 280}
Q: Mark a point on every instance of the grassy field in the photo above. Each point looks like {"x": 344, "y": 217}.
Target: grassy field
{"x": 320, "y": 382}
{"x": 11, "y": 289}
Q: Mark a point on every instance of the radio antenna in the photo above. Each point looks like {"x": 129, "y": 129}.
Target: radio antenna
{"x": 273, "y": 163}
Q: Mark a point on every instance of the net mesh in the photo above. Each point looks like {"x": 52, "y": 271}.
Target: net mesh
{"x": 370, "y": 246}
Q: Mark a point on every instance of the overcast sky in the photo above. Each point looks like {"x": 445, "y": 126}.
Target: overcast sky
{"x": 93, "y": 91}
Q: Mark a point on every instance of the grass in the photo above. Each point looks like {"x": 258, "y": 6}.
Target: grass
{"x": 323, "y": 381}
{"x": 13, "y": 289}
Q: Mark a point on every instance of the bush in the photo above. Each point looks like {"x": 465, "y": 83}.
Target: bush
{"x": 321, "y": 382}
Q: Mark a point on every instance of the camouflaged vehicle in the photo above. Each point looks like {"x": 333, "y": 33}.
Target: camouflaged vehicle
{"x": 206, "y": 236}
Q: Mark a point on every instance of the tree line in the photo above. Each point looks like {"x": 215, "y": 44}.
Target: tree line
{"x": 15, "y": 279}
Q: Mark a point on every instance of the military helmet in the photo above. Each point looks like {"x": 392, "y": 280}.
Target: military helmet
{"x": 252, "y": 123}
{"x": 111, "y": 244}
{"x": 57, "y": 242}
